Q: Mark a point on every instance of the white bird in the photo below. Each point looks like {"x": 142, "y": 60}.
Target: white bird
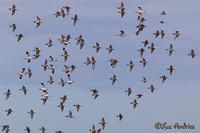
{"x": 28, "y": 57}
{"x": 21, "y": 74}
{"x": 44, "y": 89}
{"x": 69, "y": 79}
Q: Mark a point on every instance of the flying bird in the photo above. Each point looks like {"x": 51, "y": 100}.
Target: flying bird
{"x": 122, "y": 34}
{"x": 152, "y": 88}
{"x": 95, "y": 93}
{"x": 131, "y": 65}
{"x": 67, "y": 9}
{"x": 192, "y": 54}
{"x": 114, "y": 78}
{"x": 19, "y": 37}
{"x": 171, "y": 69}
{"x": 24, "y": 89}
{"x": 13, "y": 26}
{"x": 110, "y": 49}
{"x": 144, "y": 62}
{"x": 139, "y": 96}
{"x": 152, "y": 48}
{"x": 163, "y": 78}
{"x": 77, "y": 107}
{"x": 38, "y": 22}
{"x": 69, "y": 79}
{"x": 50, "y": 80}
{"x": 75, "y": 18}
{"x": 9, "y": 111}
{"x": 13, "y": 9}
{"x": 103, "y": 123}
{"x": 97, "y": 47}
{"x": 120, "y": 116}
{"x": 170, "y": 49}
{"x": 70, "y": 115}
{"x": 129, "y": 91}
{"x": 43, "y": 129}
{"x": 21, "y": 74}
{"x": 28, "y": 130}
{"x": 31, "y": 113}
{"x": 45, "y": 65}
{"x": 177, "y": 34}
{"x": 134, "y": 103}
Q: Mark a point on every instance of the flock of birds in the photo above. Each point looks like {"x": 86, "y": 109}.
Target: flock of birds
{"x": 68, "y": 70}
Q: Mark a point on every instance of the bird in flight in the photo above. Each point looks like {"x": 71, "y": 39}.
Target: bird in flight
{"x": 13, "y": 9}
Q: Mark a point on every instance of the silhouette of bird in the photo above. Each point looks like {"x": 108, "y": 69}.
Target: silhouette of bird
{"x": 43, "y": 129}
{"x": 45, "y": 65}
{"x": 57, "y": 14}
{"x": 162, "y": 33}
{"x": 152, "y": 48}
{"x": 170, "y": 49}
{"x": 152, "y": 88}
{"x": 192, "y": 54}
{"x": 24, "y": 89}
{"x": 64, "y": 98}
{"x": 145, "y": 43}
{"x": 61, "y": 106}
{"x": 13, "y": 26}
{"x": 67, "y": 9}
{"x": 65, "y": 55}
{"x": 163, "y": 78}
{"x": 62, "y": 82}
{"x": 38, "y": 22}
{"x": 13, "y": 9}
{"x": 75, "y": 18}
{"x": 177, "y": 34}
{"x": 134, "y": 103}
{"x": 95, "y": 93}
{"x": 103, "y": 123}
{"x": 163, "y": 13}
{"x": 121, "y": 6}
{"x": 129, "y": 91}
{"x": 97, "y": 47}
{"x": 8, "y": 93}
{"x": 120, "y": 116}
{"x": 144, "y": 80}
{"x": 77, "y": 107}
{"x": 110, "y": 49}
{"x": 29, "y": 73}
{"x": 114, "y": 78}
{"x": 144, "y": 62}
{"x": 73, "y": 67}
{"x": 28, "y": 130}
{"x": 130, "y": 65}
{"x": 52, "y": 68}
{"x": 31, "y": 113}
{"x": 44, "y": 100}
{"x": 9, "y": 111}
{"x": 69, "y": 79}
{"x": 171, "y": 69}
{"x": 141, "y": 51}
{"x": 122, "y": 34}
{"x": 157, "y": 33}
{"x": 51, "y": 80}
{"x": 19, "y": 37}
{"x": 52, "y": 59}
{"x": 139, "y": 96}
{"x": 93, "y": 62}
{"x": 70, "y": 115}
{"x": 21, "y": 74}
{"x": 49, "y": 44}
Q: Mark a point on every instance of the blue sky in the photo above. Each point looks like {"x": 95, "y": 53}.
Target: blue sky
{"x": 176, "y": 100}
